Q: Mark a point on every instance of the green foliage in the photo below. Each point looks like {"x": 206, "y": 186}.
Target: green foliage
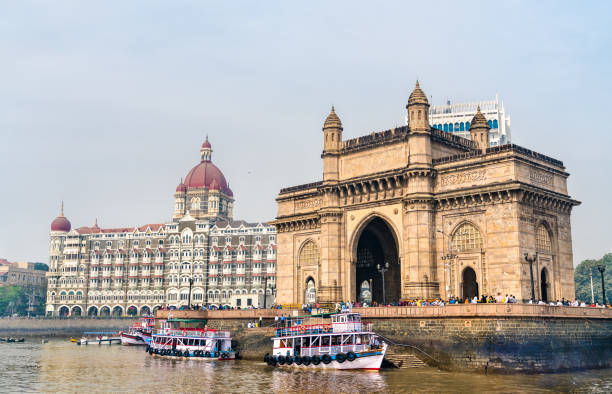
{"x": 14, "y": 300}
{"x": 41, "y": 266}
{"x": 582, "y": 279}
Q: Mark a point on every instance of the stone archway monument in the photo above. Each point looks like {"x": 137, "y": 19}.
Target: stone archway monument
{"x": 395, "y": 197}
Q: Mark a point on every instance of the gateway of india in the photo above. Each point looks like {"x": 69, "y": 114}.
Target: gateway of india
{"x": 415, "y": 212}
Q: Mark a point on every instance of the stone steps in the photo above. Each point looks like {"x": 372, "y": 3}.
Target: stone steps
{"x": 404, "y": 360}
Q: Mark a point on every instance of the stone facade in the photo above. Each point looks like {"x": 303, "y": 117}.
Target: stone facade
{"x": 450, "y": 217}
{"x": 202, "y": 258}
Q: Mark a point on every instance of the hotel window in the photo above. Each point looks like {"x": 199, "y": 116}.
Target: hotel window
{"x": 466, "y": 237}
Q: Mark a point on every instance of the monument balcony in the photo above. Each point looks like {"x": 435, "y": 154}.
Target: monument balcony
{"x": 134, "y": 261}
{"x": 94, "y": 274}
{"x": 106, "y": 274}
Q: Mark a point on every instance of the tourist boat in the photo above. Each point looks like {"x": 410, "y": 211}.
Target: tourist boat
{"x": 139, "y": 333}
{"x": 314, "y": 342}
{"x": 191, "y": 338}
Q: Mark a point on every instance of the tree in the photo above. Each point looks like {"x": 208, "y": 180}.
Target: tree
{"x": 41, "y": 266}
{"x": 582, "y": 279}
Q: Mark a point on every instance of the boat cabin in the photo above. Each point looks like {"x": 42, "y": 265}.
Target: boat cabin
{"x": 346, "y": 322}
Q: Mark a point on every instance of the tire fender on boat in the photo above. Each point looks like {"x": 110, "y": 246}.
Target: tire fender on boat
{"x": 340, "y": 357}
{"x": 316, "y": 360}
{"x": 326, "y": 359}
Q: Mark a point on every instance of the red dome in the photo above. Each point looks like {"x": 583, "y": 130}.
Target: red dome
{"x": 206, "y": 144}
{"x": 181, "y": 188}
{"x": 60, "y": 224}
{"x": 204, "y": 174}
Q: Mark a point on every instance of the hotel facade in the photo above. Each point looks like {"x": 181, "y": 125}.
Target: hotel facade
{"x": 201, "y": 258}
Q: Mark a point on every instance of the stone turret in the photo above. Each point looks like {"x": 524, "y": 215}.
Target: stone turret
{"x": 418, "y": 110}
{"x": 479, "y": 130}
{"x": 332, "y": 145}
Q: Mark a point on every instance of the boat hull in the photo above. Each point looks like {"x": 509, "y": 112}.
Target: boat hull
{"x": 196, "y": 358}
{"x": 364, "y": 363}
{"x": 132, "y": 340}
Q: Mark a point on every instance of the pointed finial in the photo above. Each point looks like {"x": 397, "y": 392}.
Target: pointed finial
{"x": 417, "y": 83}
{"x": 62, "y": 209}
{"x": 478, "y": 109}
{"x": 96, "y": 224}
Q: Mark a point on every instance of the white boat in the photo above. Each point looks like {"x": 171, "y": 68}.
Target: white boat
{"x": 191, "y": 338}
{"x": 82, "y": 341}
{"x": 314, "y": 342}
{"x": 139, "y": 333}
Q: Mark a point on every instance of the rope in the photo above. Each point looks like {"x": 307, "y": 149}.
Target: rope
{"x": 410, "y": 346}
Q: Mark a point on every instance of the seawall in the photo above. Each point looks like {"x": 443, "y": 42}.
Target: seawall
{"x": 489, "y": 338}
{"x": 60, "y": 327}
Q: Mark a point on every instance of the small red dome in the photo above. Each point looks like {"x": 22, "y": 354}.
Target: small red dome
{"x": 181, "y": 188}
{"x": 203, "y": 175}
{"x": 206, "y": 144}
{"x": 60, "y": 224}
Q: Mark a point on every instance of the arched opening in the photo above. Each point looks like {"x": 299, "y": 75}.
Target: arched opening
{"x": 469, "y": 285}
{"x": 76, "y": 311}
{"x": 64, "y": 311}
{"x": 365, "y": 293}
{"x": 377, "y": 248}
{"x": 93, "y": 312}
{"x": 117, "y": 311}
{"x": 105, "y": 311}
{"x": 311, "y": 292}
{"x": 544, "y": 285}
{"x": 132, "y": 311}
{"x": 145, "y": 311}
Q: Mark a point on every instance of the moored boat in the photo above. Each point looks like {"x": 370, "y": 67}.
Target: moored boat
{"x": 139, "y": 333}
{"x": 190, "y": 338}
{"x": 314, "y": 342}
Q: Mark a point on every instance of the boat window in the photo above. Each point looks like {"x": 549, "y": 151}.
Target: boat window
{"x": 335, "y": 340}
{"x": 341, "y": 319}
{"x": 334, "y": 319}
{"x": 325, "y": 341}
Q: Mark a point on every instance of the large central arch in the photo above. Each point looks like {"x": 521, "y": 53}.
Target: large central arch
{"x": 376, "y": 245}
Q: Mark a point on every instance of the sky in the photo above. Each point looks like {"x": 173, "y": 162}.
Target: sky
{"x": 104, "y": 105}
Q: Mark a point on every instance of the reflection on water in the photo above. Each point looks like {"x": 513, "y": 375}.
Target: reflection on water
{"x": 61, "y": 366}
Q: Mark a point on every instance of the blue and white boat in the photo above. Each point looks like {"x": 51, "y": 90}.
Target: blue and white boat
{"x": 314, "y": 342}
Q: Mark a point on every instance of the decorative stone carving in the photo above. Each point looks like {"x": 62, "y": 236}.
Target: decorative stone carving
{"x": 541, "y": 178}
{"x": 456, "y": 179}
{"x": 312, "y": 203}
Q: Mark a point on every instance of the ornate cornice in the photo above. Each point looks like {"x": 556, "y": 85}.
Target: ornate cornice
{"x": 296, "y": 223}
{"x": 511, "y": 192}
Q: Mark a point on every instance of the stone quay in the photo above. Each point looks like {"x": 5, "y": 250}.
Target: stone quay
{"x": 486, "y": 338}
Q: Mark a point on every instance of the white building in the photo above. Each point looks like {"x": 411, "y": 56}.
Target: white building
{"x": 201, "y": 258}
{"x": 456, "y": 118}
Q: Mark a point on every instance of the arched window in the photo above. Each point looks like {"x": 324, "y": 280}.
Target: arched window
{"x": 309, "y": 255}
{"x": 467, "y": 125}
{"x": 450, "y": 127}
{"x": 495, "y": 124}
{"x": 543, "y": 243}
{"x": 445, "y": 126}
{"x": 490, "y": 124}
{"x": 311, "y": 293}
{"x": 466, "y": 237}
{"x": 462, "y": 126}
{"x": 457, "y": 127}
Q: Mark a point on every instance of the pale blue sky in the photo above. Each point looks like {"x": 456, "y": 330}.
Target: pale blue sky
{"x": 105, "y": 104}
